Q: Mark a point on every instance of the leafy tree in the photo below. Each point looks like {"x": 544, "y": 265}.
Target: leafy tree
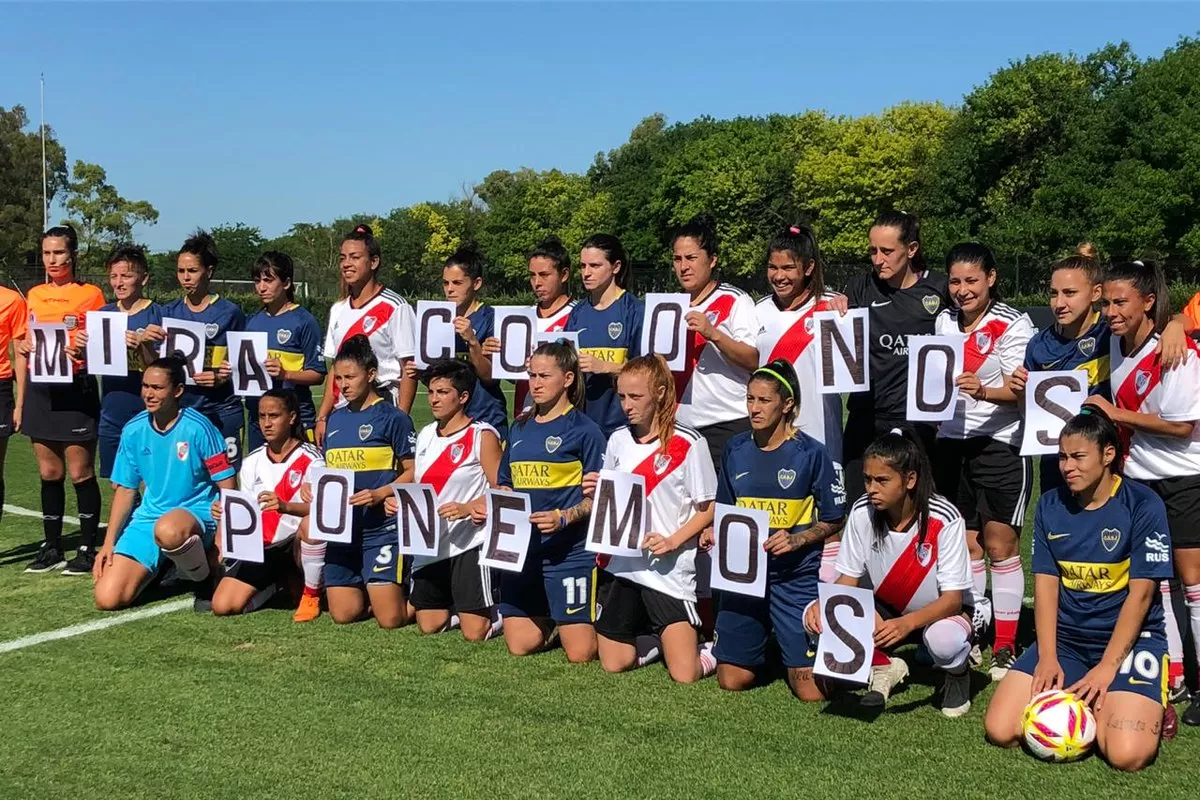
{"x": 21, "y": 216}
{"x": 239, "y": 245}
{"x": 101, "y": 215}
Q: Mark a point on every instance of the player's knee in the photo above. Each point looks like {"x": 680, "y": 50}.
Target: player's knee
{"x": 616, "y": 664}
{"x": 580, "y": 654}
{"x": 168, "y": 535}
{"x": 1000, "y": 729}
{"x": 390, "y": 619}
{"x": 427, "y": 626}
{"x": 108, "y": 596}
{"x": 689, "y": 673}
{"x": 522, "y": 645}
{"x": 734, "y": 682}
{"x": 50, "y": 472}
{"x": 1128, "y": 756}
{"x": 344, "y": 615}
{"x": 804, "y": 687}
{"x": 947, "y": 641}
{"x": 81, "y": 472}
{"x": 475, "y": 632}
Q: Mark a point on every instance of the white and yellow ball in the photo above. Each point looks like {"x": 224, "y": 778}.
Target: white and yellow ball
{"x": 1058, "y": 726}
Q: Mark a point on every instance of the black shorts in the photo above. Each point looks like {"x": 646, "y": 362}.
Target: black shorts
{"x": 719, "y": 435}
{"x": 458, "y": 583}
{"x": 7, "y": 405}
{"x": 278, "y": 562}
{"x": 62, "y": 412}
{"x": 626, "y": 610}
{"x": 986, "y": 480}
{"x": 860, "y": 433}
{"x": 1181, "y": 496}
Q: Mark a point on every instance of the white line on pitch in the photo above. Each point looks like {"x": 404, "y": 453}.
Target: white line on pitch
{"x": 29, "y": 512}
{"x": 95, "y": 625}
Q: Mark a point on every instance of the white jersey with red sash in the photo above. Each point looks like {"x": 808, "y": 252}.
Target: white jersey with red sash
{"x": 260, "y": 474}
{"x": 555, "y": 322}
{"x": 711, "y": 390}
{"x": 1139, "y": 383}
{"x": 790, "y": 335}
{"x": 387, "y": 320}
{"x": 905, "y": 571}
{"x": 451, "y": 465}
{"x": 677, "y": 481}
{"x": 995, "y": 349}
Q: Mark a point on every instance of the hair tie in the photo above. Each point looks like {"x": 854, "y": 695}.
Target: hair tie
{"x": 896, "y": 431}
{"x": 360, "y": 229}
{"x": 795, "y": 229}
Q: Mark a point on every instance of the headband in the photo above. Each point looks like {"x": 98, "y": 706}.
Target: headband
{"x": 782, "y": 380}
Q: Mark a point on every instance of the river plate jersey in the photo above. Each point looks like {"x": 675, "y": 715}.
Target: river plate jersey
{"x": 122, "y": 396}
{"x": 710, "y": 389}
{"x": 294, "y": 338}
{"x": 451, "y": 465}
{"x": 613, "y": 335}
{"x": 219, "y": 317}
{"x": 371, "y": 442}
{"x": 259, "y": 473}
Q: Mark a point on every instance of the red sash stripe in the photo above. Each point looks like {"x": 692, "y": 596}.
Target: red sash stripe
{"x": 973, "y": 356}
{"x": 907, "y": 574}
{"x": 439, "y": 472}
{"x": 796, "y": 339}
{"x": 723, "y": 307}
{"x": 285, "y": 491}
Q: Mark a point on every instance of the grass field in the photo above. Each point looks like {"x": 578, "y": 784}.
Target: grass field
{"x": 187, "y": 706}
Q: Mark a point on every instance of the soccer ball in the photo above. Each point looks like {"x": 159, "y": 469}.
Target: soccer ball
{"x": 1058, "y": 726}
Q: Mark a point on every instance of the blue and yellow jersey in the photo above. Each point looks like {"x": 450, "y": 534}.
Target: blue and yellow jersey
{"x": 180, "y": 466}
{"x": 487, "y": 403}
{"x": 1050, "y": 350}
{"x": 122, "y": 399}
{"x": 795, "y": 483}
{"x": 1094, "y": 554}
{"x": 614, "y": 335}
{"x": 219, "y": 317}
{"x": 371, "y": 442}
{"x": 547, "y": 461}
{"x": 293, "y": 337}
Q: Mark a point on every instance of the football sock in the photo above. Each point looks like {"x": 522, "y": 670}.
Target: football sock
{"x": 54, "y": 501}
{"x": 312, "y": 564}
{"x": 453, "y": 622}
{"x": 880, "y": 658}
{"x": 949, "y": 642}
{"x": 1174, "y": 639}
{"x": 829, "y": 555}
{"x": 1192, "y": 596}
{"x": 1008, "y": 591}
{"x": 190, "y": 559}
{"x": 260, "y": 599}
{"x": 649, "y": 649}
{"x": 497, "y": 625}
{"x": 87, "y": 497}
{"x": 708, "y": 662}
{"x": 979, "y": 578}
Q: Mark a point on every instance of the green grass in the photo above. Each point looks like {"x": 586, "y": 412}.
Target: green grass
{"x": 188, "y": 706}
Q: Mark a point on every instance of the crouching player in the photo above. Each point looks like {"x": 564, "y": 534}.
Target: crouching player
{"x": 908, "y": 545}
{"x": 1100, "y": 549}
{"x": 181, "y": 458}
{"x": 277, "y": 475}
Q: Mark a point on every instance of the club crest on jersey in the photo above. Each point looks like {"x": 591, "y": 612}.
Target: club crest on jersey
{"x": 211, "y": 329}
{"x": 808, "y": 325}
{"x": 931, "y": 302}
{"x": 71, "y": 321}
{"x": 661, "y": 463}
{"x": 283, "y": 335}
{"x": 1110, "y": 538}
{"x": 924, "y": 553}
{"x": 364, "y": 432}
{"x": 1087, "y": 346}
{"x": 181, "y": 450}
{"x": 294, "y": 478}
{"x": 456, "y": 452}
{"x": 553, "y": 443}
{"x": 368, "y": 324}
{"x": 983, "y": 341}
{"x": 786, "y": 478}
{"x": 1141, "y": 380}
{"x": 712, "y": 317}
{"x": 614, "y": 330}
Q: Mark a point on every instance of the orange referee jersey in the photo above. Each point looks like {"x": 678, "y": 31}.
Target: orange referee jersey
{"x": 13, "y": 319}
{"x": 67, "y": 304}
{"x": 1192, "y": 312}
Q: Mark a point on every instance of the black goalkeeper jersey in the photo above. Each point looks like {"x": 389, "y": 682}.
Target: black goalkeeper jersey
{"x": 895, "y": 315}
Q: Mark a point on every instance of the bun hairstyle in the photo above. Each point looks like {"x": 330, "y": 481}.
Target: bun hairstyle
{"x": 174, "y": 365}
{"x": 291, "y": 405}
{"x": 279, "y": 264}
{"x": 357, "y": 349}
{"x": 902, "y": 451}
{"x": 703, "y": 229}
{"x": 567, "y": 360}
{"x": 977, "y": 254}
{"x": 661, "y": 380}
{"x": 469, "y": 259}
{"x": 782, "y": 375}
{"x": 202, "y": 245}
{"x": 800, "y": 243}
{"x": 553, "y": 249}
{"x": 614, "y": 252}
{"x": 363, "y": 233}
{"x": 1086, "y": 259}
{"x": 908, "y": 228}
{"x": 1094, "y": 425}
{"x": 65, "y": 231}
{"x": 1148, "y": 279}
{"x": 129, "y": 254}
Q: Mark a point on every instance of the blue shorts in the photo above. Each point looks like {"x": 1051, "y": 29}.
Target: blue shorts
{"x": 745, "y": 623}
{"x": 558, "y": 582}
{"x": 1143, "y": 672}
{"x": 137, "y": 540}
{"x": 371, "y": 558}
{"x": 230, "y": 424}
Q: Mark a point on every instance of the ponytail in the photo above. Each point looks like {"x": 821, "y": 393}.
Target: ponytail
{"x": 1148, "y": 279}
{"x": 901, "y": 450}
{"x": 1094, "y": 425}
{"x": 782, "y": 375}
{"x": 800, "y": 243}
{"x": 661, "y": 380}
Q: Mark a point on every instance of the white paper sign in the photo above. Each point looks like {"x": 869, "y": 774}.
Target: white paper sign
{"x": 934, "y": 362}
{"x": 847, "y": 640}
{"x": 620, "y": 516}
{"x": 664, "y": 328}
{"x": 570, "y": 337}
{"x": 516, "y": 328}
{"x": 188, "y": 339}
{"x": 247, "y": 356}
{"x": 508, "y": 531}
{"x": 107, "y": 353}
{"x": 1051, "y": 399}
{"x": 332, "y": 519}
{"x": 241, "y": 526}
{"x": 435, "y": 331}
{"x": 48, "y": 361}
{"x": 844, "y": 353}
{"x": 739, "y": 562}
{"x": 417, "y": 521}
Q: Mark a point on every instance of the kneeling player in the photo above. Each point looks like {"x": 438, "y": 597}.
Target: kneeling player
{"x": 181, "y": 458}
{"x": 1100, "y": 548}
{"x": 910, "y": 546}
{"x": 459, "y": 457}
{"x": 277, "y": 474}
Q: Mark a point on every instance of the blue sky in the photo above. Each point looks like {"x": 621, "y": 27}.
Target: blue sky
{"x": 274, "y": 113}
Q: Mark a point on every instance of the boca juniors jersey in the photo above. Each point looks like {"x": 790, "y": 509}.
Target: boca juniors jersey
{"x": 122, "y": 396}
{"x": 219, "y": 317}
{"x": 710, "y": 389}
{"x": 487, "y": 403}
{"x": 294, "y": 339}
{"x": 371, "y": 441}
{"x": 451, "y": 465}
{"x": 261, "y": 473}
{"x": 613, "y": 334}
{"x": 1094, "y": 554}
{"x": 907, "y": 572}
{"x": 1050, "y": 350}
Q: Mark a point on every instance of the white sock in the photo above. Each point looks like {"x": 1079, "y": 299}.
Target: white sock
{"x": 648, "y": 649}
{"x": 312, "y": 563}
{"x": 497, "y": 625}
{"x": 1008, "y": 592}
{"x": 260, "y": 599}
{"x": 829, "y": 556}
{"x": 979, "y": 578}
{"x": 454, "y": 622}
{"x": 1192, "y": 596}
{"x": 949, "y": 642}
{"x": 1174, "y": 639}
{"x": 708, "y": 662}
{"x": 190, "y": 559}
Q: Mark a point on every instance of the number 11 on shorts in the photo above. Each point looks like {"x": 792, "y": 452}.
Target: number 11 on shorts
{"x": 577, "y": 590}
